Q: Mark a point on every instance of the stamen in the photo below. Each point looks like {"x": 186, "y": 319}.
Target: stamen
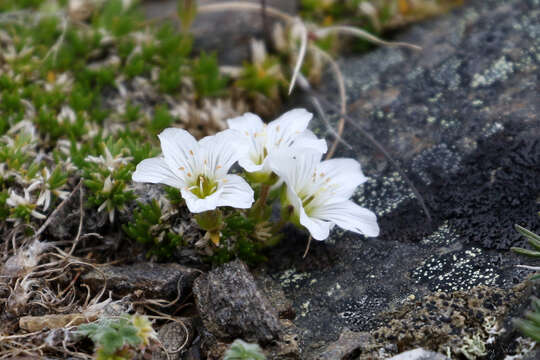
{"x": 182, "y": 168}
{"x": 189, "y": 174}
{"x": 191, "y": 152}
{"x": 201, "y": 182}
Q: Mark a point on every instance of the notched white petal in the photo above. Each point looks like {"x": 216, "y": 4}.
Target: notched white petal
{"x": 155, "y": 170}
{"x": 198, "y": 205}
{"x": 178, "y": 147}
{"x": 247, "y": 124}
{"x": 236, "y": 193}
{"x": 350, "y": 216}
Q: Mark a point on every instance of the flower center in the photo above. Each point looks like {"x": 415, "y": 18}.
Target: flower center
{"x": 203, "y": 187}
{"x": 260, "y": 158}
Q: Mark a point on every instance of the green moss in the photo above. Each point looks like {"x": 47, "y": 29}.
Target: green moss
{"x": 4, "y": 209}
{"x": 162, "y": 119}
{"x": 147, "y": 228}
{"x": 206, "y": 77}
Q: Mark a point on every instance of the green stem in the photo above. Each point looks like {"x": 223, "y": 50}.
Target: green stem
{"x": 258, "y": 207}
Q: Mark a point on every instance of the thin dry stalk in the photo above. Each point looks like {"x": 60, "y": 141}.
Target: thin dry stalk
{"x": 56, "y": 211}
{"x": 338, "y": 75}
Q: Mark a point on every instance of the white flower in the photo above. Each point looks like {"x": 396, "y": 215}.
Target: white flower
{"x": 319, "y": 193}
{"x": 45, "y": 191}
{"x": 109, "y": 161}
{"x": 288, "y": 132}
{"x": 15, "y": 200}
{"x": 199, "y": 169}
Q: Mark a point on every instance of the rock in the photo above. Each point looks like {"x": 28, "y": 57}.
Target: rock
{"x": 225, "y": 32}
{"x": 348, "y": 346}
{"x": 461, "y": 117}
{"x": 161, "y": 281}
{"x": 443, "y": 320}
{"x": 419, "y": 354}
{"x": 275, "y": 295}
{"x": 232, "y": 306}
{"x": 175, "y": 336}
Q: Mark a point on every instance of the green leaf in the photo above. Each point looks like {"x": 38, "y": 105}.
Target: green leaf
{"x": 534, "y": 317}
{"x": 111, "y": 341}
{"x": 529, "y": 329}
{"x": 129, "y": 333}
{"x": 241, "y": 350}
{"x": 526, "y": 252}
{"x": 533, "y": 238}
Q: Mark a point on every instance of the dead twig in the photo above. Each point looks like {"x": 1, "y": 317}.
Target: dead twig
{"x": 57, "y": 210}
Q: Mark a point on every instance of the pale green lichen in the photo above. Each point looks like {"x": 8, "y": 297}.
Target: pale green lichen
{"x": 499, "y": 71}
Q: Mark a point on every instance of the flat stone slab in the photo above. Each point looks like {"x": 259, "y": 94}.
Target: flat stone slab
{"x": 227, "y": 32}
{"x": 154, "y": 281}
{"x": 461, "y": 117}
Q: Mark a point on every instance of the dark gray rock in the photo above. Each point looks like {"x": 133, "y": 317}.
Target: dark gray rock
{"x": 176, "y": 338}
{"x": 461, "y": 117}
{"x": 349, "y": 345}
{"x": 231, "y": 305}
{"x": 153, "y": 281}
{"x": 225, "y": 32}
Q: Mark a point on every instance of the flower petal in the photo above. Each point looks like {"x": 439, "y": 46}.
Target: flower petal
{"x": 197, "y": 205}
{"x": 236, "y": 193}
{"x": 179, "y": 147}
{"x": 308, "y": 140}
{"x": 247, "y": 124}
{"x": 318, "y": 229}
{"x": 252, "y": 128}
{"x": 349, "y": 216}
{"x": 296, "y": 169}
{"x": 155, "y": 170}
{"x": 219, "y": 152}
{"x": 283, "y": 130}
{"x": 249, "y": 165}
{"x": 344, "y": 174}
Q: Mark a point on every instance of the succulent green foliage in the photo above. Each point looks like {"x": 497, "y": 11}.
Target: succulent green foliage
{"x": 116, "y": 18}
{"x": 150, "y": 229}
{"x": 207, "y": 79}
{"x": 241, "y": 230}
{"x": 64, "y": 117}
{"x": 530, "y": 326}
{"x": 118, "y": 338}
{"x": 533, "y": 239}
{"x": 265, "y": 78}
{"x": 241, "y": 350}
{"x": 4, "y": 209}
{"x": 162, "y": 119}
